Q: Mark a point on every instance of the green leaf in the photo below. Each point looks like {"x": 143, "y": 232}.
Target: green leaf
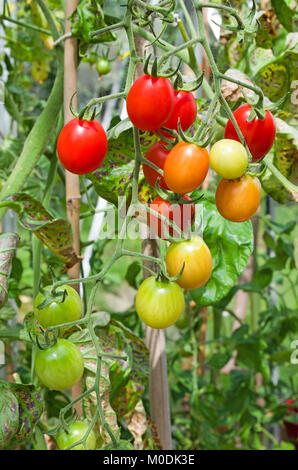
{"x": 87, "y": 18}
{"x": 250, "y": 348}
{"x": 284, "y": 12}
{"x": 238, "y": 394}
{"x": 231, "y": 245}
{"x": 262, "y": 277}
{"x": 8, "y": 246}
{"x": 56, "y": 234}
{"x": 132, "y": 273}
{"x": 219, "y": 360}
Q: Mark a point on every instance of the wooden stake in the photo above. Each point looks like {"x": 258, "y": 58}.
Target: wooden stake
{"x": 72, "y": 181}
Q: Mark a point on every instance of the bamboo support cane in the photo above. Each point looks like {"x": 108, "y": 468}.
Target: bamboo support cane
{"x": 72, "y": 181}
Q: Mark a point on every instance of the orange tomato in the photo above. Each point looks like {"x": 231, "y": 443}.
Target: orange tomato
{"x": 186, "y": 167}
{"x": 238, "y": 200}
{"x": 198, "y": 262}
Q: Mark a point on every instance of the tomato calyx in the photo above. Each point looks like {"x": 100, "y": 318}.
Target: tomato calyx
{"x": 161, "y": 276}
{"x": 87, "y": 113}
{"x": 156, "y": 69}
{"x": 179, "y": 84}
{"x": 174, "y": 198}
{"x": 52, "y": 296}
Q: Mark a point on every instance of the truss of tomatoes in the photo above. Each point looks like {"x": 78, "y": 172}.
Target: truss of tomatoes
{"x": 153, "y": 105}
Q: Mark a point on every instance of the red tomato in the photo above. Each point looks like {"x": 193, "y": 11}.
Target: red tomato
{"x": 185, "y": 109}
{"x": 186, "y": 167}
{"x": 157, "y": 155}
{"x": 291, "y": 427}
{"x": 82, "y": 146}
{"x": 150, "y": 102}
{"x": 181, "y": 214}
{"x": 258, "y": 134}
{"x": 238, "y": 200}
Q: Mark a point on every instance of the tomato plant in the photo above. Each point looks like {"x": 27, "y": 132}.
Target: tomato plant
{"x": 195, "y": 255}
{"x": 236, "y": 319}
{"x": 238, "y": 200}
{"x": 77, "y": 431}
{"x": 182, "y": 215}
{"x": 157, "y": 155}
{"x": 159, "y": 304}
{"x": 228, "y": 158}
{"x": 184, "y": 111}
{"x": 186, "y": 167}
{"x": 149, "y": 102}
{"x": 259, "y": 134}
{"x": 60, "y": 366}
{"x": 58, "y": 312}
{"x": 82, "y": 146}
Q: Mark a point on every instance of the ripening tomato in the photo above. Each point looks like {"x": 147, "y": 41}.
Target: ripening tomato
{"x": 82, "y": 146}
{"x": 238, "y": 200}
{"x": 77, "y": 431}
{"x": 58, "y": 312}
{"x": 60, "y": 366}
{"x": 182, "y": 215}
{"x": 184, "y": 109}
{"x": 228, "y": 158}
{"x": 186, "y": 167}
{"x": 150, "y": 102}
{"x": 259, "y": 134}
{"x": 198, "y": 262}
{"x": 157, "y": 155}
{"x": 159, "y": 304}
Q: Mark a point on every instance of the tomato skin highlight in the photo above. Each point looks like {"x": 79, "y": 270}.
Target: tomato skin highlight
{"x": 150, "y": 102}
{"x": 157, "y": 155}
{"x": 57, "y": 313}
{"x": 159, "y": 304}
{"x": 60, "y": 366}
{"x": 82, "y": 146}
{"x": 238, "y": 200}
{"x": 185, "y": 109}
{"x": 198, "y": 262}
{"x": 77, "y": 431}
{"x": 186, "y": 167}
{"x": 183, "y": 216}
{"x": 228, "y": 158}
{"x": 259, "y": 134}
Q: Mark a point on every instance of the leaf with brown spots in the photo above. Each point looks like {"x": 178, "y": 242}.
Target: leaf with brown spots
{"x": 113, "y": 178}
{"x": 9, "y": 416}
{"x": 25, "y": 408}
{"x": 8, "y": 246}
{"x": 56, "y": 234}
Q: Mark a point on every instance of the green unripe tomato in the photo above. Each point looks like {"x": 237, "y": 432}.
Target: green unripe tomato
{"x": 159, "y": 304}
{"x": 228, "y": 158}
{"x": 77, "y": 431}
{"x": 60, "y": 366}
{"x": 58, "y": 312}
{"x": 103, "y": 66}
